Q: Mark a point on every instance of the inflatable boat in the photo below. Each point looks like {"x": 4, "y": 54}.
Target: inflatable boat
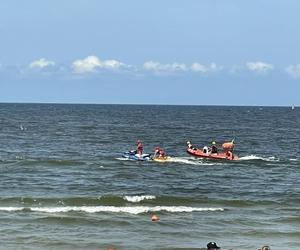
{"x": 226, "y": 154}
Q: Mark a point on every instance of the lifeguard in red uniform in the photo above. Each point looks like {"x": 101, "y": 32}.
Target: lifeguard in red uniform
{"x": 139, "y": 147}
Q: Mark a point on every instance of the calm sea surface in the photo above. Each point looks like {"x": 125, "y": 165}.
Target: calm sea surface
{"x": 64, "y": 185}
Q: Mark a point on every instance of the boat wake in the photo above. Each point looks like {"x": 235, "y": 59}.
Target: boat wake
{"x": 191, "y": 161}
{"x": 122, "y": 159}
{"x": 183, "y": 160}
{"x": 255, "y": 157}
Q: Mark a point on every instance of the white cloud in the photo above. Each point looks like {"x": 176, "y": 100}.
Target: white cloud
{"x": 41, "y": 63}
{"x": 260, "y": 67}
{"x": 293, "y": 70}
{"x": 92, "y": 63}
{"x": 197, "y": 67}
{"x": 89, "y": 64}
{"x": 164, "y": 68}
{"x": 112, "y": 64}
{"x": 160, "y": 68}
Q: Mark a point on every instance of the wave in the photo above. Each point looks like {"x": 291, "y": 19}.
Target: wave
{"x": 112, "y": 209}
{"x": 137, "y": 198}
{"x": 118, "y": 201}
{"x": 255, "y": 157}
{"x": 12, "y": 209}
{"x": 293, "y": 159}
{"x": 99, "y": 201}
{"x": 145, "y": 200}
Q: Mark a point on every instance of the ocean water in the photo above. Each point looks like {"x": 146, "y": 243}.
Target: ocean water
{"x": 64, "y": 184}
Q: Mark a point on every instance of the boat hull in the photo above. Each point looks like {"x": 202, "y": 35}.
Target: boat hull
{"x": 219, "y": 156}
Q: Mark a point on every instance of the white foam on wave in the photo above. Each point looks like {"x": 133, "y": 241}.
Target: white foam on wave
{"x": 11, "y": 209}
{"x": 139, "y": 198}
{"x": 293, "y": 159}
{"x": 255, "y": 157}
{"x": 113, "y": 209}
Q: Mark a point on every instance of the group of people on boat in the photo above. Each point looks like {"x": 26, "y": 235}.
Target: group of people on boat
{"x": 206, "y": 152}
{"x": 212, "y": 151}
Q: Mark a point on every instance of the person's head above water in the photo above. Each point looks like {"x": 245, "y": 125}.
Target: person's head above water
{"x": 212, "y": 246}
{"x": 265, "y": 248}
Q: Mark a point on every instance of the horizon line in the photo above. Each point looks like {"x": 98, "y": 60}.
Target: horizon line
{"x": 153, "y": 104}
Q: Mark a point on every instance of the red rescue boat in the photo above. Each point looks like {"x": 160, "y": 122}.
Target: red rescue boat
{"x": 226, "y": 154}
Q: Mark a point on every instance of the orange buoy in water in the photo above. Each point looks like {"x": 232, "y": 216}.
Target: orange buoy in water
{"x": 154, "y": 218}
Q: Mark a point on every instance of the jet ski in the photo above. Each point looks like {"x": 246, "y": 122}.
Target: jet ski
{"x": 133, "y": 155}
{"x": 226, "y": 154}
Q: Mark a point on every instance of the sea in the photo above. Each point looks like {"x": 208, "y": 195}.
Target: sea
{"x": 65, "y": 185}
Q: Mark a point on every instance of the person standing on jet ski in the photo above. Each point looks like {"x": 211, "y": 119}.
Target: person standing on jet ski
{"x": 139, "y": 147}
{"x": 213, "y": 149}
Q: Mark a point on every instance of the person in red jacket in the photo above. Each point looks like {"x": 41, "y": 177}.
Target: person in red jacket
{"x": 139, "y": 147}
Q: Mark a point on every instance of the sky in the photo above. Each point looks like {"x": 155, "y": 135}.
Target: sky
{"x": 193, "y": 52}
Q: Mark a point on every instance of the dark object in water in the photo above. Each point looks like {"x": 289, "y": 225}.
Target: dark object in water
{"x": 265, "y": 248}
{"x": 212, "y": 246}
